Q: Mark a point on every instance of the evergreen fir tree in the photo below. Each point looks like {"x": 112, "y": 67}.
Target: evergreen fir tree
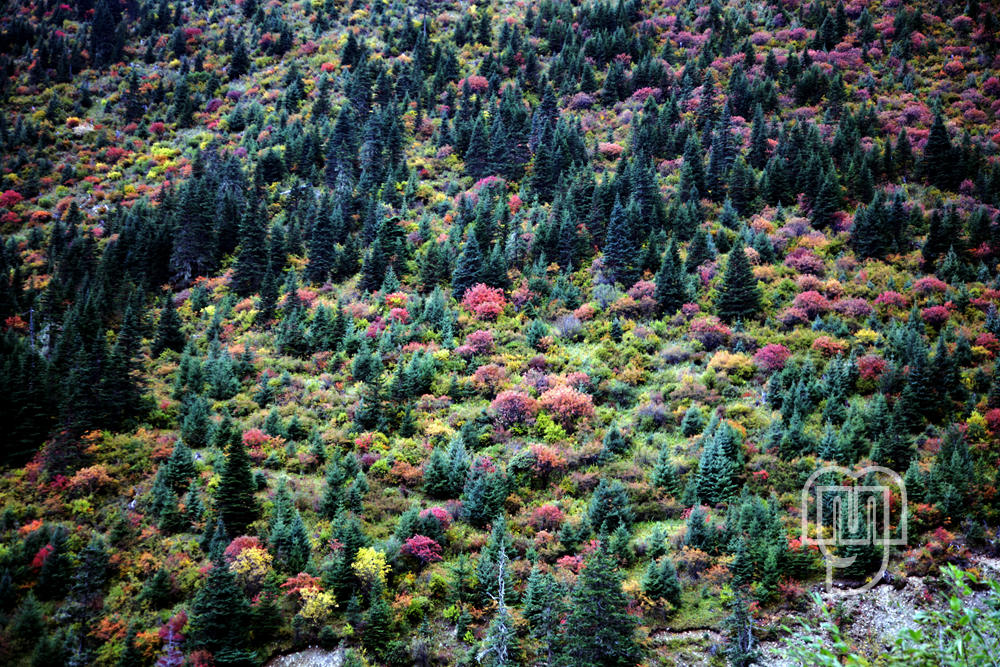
{"x": 467, "y": 271}
{"x": 739, "y": 296}
{"x": 620, "y": 248}
{"x": 671, "y": 292}
{"x": 235, "y": 503}
{"x": 599, "y": 632}
{"x": 219, "y": 616}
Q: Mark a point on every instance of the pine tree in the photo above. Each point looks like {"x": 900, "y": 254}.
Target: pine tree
{"x": 610, "y": 506}
{"x": 741, "y": 647}
{"x": 235, "y": 503}
{"x": 827, "y": 202}
{"x": 599, "y": 632}
{"x": 671, "y": 292}
{"x": 252, "y": 256}
{"x": 378, "y": 620}
{"x": 219, "y": 617}
{"x": 467, "y": 271}
{"x": 168, "y": 329}
{"x": 938, "y": 162}
{"x": 543, "y": 608}
{"x": 739, "y": 296}
{"x": 620, "y": 248}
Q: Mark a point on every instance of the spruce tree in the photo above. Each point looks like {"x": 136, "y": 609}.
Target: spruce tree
{"x": 739, "y": 296}
{"x": 219, "y": 617}
{"x": 168, "y": 329}
{"x": 252, "y": 256}
{"x": 235, "y": 503}
{"x": 620, "y": 248}
{"x": 467, "y": 271}
{"x": 599, "y": 631}
{"x": 671, "y": 292}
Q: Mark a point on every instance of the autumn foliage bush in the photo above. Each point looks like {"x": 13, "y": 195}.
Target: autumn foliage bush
{"x": 513, "y": 407}
{"x": 486, "y": 302}
{"x": 567, "y": 406}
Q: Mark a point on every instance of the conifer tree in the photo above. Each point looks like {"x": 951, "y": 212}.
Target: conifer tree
{"x": 219, "y": 617}
{"x": 252, "y": 256}
{"x": 620, "y": 248}
{"x": 599, "y": 632}
{"x": 739, "y": 296}
{"x": 671, "y": 292}
{"x": 235, "y": 503}
{"x": 543, "y": 608}
{"x": 610, "y": 506}
{"x": 378, "y": 620}
{"x": 168, "y": 329}
{"x": 467, "y": 271}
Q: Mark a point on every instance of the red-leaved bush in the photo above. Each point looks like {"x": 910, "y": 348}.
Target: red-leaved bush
{"x": 891, "y": 299}
{"x": 929, "y": 285}
{"x": 812, "y": 302}
{"x": 805, "y": 260}
{"x": 935, "y": 315}
{"x": 513, "y": 407}
{"x": 853, "y": 307}
{"x": 477, "y": 342}
{"x": 567, "y": 405}
{"x": 829, "y": 347}
{"x": 486, "y": 302}
{"x": 422, "y": 548}
{"x": 710, "y": 332}
{"x": 241, "y": 544}
{"x": 771, "y": 357}
{"x": 871, "y": 366}
{"x": 546, "y": 517}
{"x": 489, "y": 377}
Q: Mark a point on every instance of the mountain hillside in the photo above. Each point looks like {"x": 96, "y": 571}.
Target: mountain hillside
{"x": 498, "y": 333}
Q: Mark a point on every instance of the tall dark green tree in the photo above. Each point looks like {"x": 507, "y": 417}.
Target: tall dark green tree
{"x": 251, "y": 258}
{"x": 467, "y": 271}
{"x": 739, "y": 296}
{"x": 219, "y": 618}
{"x": 620, "y": 248}
{"x": 599, "y": 631}
{"x": 671, "y": 291}
{"x": 235, "y": 503}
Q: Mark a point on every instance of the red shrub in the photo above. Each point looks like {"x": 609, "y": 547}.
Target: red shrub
{"x": 871, "y": 366}
{"x": 10, "y": 199}
{"x": 422, "y": 548}
{"x": 547, "y": 460}
{"x": 480, "y": 341}
{"x": 547, "y": 517}
{"x": 812, "y": 302}
{"x": 929, "y": 285}
{"x": 891, "y": 299}
{"x": 241, "y": 544}
{"x": 513, "y": 407}
{"x": 489, "y": 377}
{"x": 486, "y": 302}
{"x": 255, "y": 438}
{"x": 476, "y": 83}
{"x": 710, "y": 332}
{"x": 567, "y": 405}
{"x": 805, "y": 260}
{"x": 829, "y": 347}
{"x": 772, "y": 357}
{"x": 439, "y": 513}
{"x": 935, "y": 315}
{"x": 855, "y": 308}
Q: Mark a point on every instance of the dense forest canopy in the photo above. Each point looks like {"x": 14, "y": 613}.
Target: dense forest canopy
{"x": 485, "y": 333}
